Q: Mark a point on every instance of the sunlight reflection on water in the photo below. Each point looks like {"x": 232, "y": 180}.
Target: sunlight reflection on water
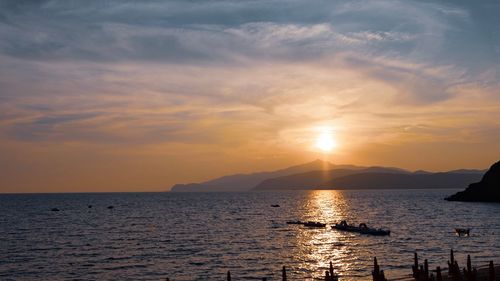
{"x": 319, "y": 246}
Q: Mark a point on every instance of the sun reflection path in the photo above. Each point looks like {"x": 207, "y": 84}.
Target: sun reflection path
{"x": 317, "y": 247}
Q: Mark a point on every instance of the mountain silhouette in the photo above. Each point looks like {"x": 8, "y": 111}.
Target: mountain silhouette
{"x": 400, "y": 181}
{"x": 245, "y": 182}
{"x": 487, "y": 190}
{"x": 315, "y": 179}
{"x": 320, "y": 174}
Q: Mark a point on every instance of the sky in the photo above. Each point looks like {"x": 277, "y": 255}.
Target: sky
{"x": 140, "y": 95}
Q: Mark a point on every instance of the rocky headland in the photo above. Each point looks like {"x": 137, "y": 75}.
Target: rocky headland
{"x": 487, "y": 190}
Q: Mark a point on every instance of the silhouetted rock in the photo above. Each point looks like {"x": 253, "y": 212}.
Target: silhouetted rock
{"x": 487, "y": 190}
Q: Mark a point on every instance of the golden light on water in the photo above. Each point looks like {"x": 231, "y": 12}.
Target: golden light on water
{"x": 320, "y": 246}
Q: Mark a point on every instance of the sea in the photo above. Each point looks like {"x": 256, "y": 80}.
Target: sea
{"x": 202, "y": 236}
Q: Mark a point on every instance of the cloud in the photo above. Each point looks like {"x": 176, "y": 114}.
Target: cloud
{"x": 219, "y": 31}
{"x": 243, "y": 79}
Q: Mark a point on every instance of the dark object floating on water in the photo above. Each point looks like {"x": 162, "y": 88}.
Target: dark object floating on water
{"x": 294, "y": 222}
{"x": 487, "y": 190}
{"x": 462, "y": 231}
{"x": 362, "y": 228}
{"x": 314, "y": 224}
{"x": 89, "y": 206}
{"x": 275, "y": 206}
{"x": 110, "y": 207}
{"x": 55, "y": 210}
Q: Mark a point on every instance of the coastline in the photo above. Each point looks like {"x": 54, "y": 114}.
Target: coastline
{"x": 482, "y": 274}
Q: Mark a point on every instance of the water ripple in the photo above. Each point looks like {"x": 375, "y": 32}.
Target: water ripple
{"x": 149, "y": 236}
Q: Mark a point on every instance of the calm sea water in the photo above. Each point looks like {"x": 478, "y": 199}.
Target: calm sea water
{"x": 151, "y": 236}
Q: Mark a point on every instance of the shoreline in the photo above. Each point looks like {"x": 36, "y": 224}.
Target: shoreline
{"x": 482, "y": 274}
{"x": 418, "y": 272}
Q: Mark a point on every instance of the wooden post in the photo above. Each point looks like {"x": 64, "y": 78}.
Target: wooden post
{"x": 438, "y": 274}
{"x": 377, "y": 274}
{"x": 456, "y": 272}
{"x": 228, "y": 276}
{"x": 470, "y": 273}
{"x": 469, "y": 264}
{"x": 491, "y": 273}
{"x": 415, "y": 266}
{"x": 331, "y": 273}
{"x": 426, "y": 269}
{"x": 453, "y": 268}
{"x": 451, "y": 263}
{"x": 283, "y": 274}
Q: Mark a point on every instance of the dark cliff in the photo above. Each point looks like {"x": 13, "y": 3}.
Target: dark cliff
{"x": 487, "y": 190}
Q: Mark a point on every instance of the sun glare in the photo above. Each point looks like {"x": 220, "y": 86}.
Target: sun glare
{"x": 325, "y": 142}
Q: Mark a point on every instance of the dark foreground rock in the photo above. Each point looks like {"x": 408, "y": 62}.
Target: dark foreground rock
{"x": 487, "y": 190}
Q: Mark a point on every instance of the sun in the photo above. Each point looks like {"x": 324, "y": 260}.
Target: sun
{"x": 325, "y": 142}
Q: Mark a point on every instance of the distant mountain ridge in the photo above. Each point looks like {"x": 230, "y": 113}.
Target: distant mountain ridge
{"x": 370, "y": 178}
{"x": 325, "y": 175}
{"x": 314, "y": 179}
{"x": 401, "y": 181}
{"x": 245, "y": 182}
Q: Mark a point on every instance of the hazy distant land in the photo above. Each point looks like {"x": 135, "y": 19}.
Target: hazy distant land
{"x": 325, "y": 175}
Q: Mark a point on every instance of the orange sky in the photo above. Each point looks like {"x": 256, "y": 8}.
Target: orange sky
{"x": 185, "y": 92}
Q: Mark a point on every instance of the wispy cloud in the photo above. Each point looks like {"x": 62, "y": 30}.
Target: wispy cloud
{"x": 225, "y": 77}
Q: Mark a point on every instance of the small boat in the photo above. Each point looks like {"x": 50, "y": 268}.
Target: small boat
{"x": 314, "y": 224}
{"x": 275, "y": 206}
{"x": 462, "y": 231}
{"x": 346, "y": 227}
{"x": 374, "y": 231}
{"x": 294, "y": 222}
{"x": 362, "y": 228}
